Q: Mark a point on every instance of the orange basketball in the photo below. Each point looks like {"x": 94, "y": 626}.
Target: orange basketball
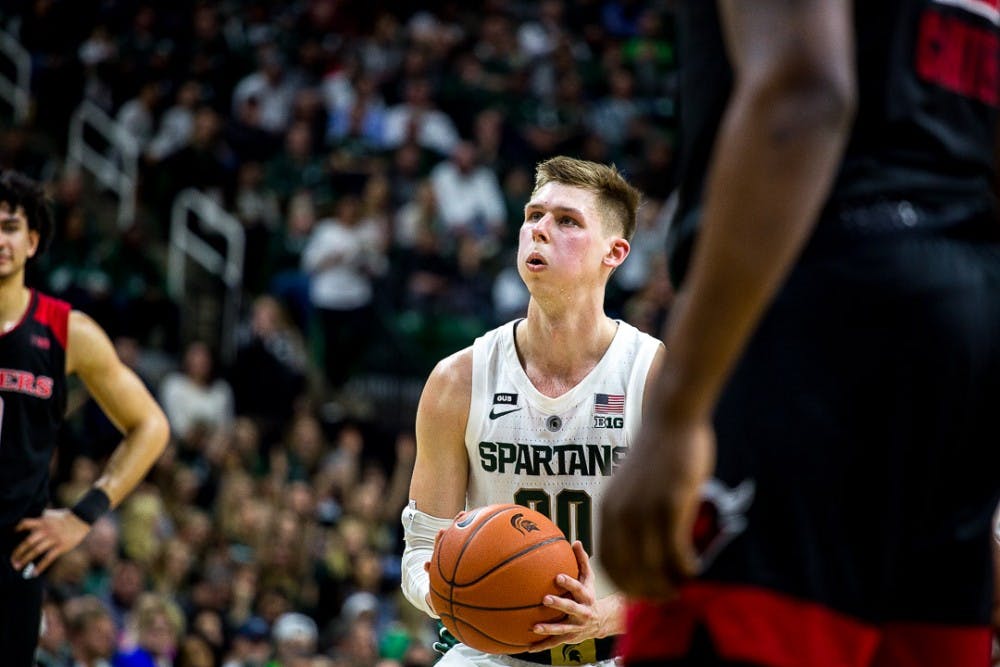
{"x": 489, "y": 572}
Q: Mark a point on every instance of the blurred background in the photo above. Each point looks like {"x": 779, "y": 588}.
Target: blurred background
{"x": 284, "y": 213}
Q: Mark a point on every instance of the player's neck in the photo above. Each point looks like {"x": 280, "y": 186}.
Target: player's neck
{"x": 563, "y": 347}
{"x": 14, "y": 300}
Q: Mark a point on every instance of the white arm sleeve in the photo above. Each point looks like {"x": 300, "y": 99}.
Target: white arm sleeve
{"x": 419, "y": 531}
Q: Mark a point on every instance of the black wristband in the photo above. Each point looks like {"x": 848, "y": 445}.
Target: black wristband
{"x": 92, "y": 505}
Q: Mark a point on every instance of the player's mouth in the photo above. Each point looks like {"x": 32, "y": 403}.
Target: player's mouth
{"x": 535, "y": 261}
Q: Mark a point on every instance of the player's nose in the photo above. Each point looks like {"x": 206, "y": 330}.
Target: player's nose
{"x": 540, "y": 228}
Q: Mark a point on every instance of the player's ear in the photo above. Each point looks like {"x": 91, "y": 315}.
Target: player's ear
{"x": 33, "y": 240}
{"x": 617, "y": 252}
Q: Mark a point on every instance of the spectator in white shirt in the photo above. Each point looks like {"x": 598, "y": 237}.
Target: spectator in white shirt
{"x": 342, "y": 257}
{"x": 273, "y": 87}
{"x": 136, "y": 116}
{"x": 177, "y": 124}
{"x": 418, "y": 120}
{"x": 470, "y": 198}
{"x": 193, "y": 398}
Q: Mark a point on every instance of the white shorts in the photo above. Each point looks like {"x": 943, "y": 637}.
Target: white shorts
{"x": 463, "y": 656}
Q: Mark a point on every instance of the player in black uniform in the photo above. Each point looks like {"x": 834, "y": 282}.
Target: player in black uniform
{"x": 42, "y": 341}
{"x": 832, "y": 384}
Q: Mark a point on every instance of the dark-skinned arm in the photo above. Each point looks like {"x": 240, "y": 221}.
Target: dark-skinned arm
{"x": 776, "y": 156}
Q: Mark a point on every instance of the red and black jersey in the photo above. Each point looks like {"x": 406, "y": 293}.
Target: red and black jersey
{"x": 928, "y": 75}
{"x": 32, "y": 405}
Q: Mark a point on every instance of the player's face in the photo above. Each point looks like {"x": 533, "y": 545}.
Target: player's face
{"x": 562, "y": 238}
{"x": 17, "y": 242}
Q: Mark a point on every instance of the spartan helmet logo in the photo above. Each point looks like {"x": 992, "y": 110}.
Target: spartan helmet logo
{"x": 571, "y": 653}
{"x": 522, "y": 525}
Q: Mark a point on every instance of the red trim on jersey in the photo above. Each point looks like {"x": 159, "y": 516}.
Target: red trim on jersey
{"x": 54, "y": 314}
{"x": 748, "y": 624}
{"x": 919, "y": 644}
{"x": 765, "y": 628}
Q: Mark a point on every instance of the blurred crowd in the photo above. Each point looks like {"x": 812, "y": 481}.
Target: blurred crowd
{"x": 378, "y": 156}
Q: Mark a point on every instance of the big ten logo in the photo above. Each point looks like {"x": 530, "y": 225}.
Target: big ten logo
{"x": 601, "y": 421}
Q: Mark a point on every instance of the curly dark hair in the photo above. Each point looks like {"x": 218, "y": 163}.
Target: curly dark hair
{"x": 16, "y": 189}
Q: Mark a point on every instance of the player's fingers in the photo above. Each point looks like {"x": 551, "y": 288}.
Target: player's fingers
{"x": 50, "y": 556}
{"x": 545, "y": 645}
{"x": 553, "y": 640}
{"x": 565, "y": 605}
{"x": 583, "y": 561}
{"x": 22, "y": 554}
{"x": 27, "y": 556}
{"x": 554, "y": 635}
{"x": 572, "y": 586}
{"x": 27, "y": 524}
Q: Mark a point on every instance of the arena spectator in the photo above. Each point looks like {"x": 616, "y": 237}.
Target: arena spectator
{"x": 343, "y": 255}
{"x": 470, "y": 199}
{"x": 177, "y": 123}
{"x": 194, "y": 397}
{"x": 417, "y": 119}
{"x": 153, "y": 633}
{"x": 273, "y": 86}
{"x": 91, "y": 632}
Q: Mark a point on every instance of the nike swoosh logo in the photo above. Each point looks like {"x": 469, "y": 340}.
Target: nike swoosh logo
{"x": 495, "y": 415}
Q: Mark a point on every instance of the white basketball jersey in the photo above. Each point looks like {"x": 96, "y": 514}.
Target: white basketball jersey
{"x": 554, "y": 455}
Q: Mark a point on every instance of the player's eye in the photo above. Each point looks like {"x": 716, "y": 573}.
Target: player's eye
{"x": 566, "y": 220}
{"x": 533, "y": 216}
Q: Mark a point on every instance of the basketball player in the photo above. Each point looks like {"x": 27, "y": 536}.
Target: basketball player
{"x": 834, "y": 375}
{"x": 41, "y": 342}
{"x": 525, "y": 413}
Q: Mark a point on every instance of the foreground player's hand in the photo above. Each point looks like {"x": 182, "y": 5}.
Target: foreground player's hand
{"x": 586, "y": 616}
{"x": 49, "y": 536}
{"x": 649, "y": 509}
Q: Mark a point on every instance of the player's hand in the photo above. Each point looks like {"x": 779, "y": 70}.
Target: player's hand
{"x": 49, "y": 536}
{"x": 446, "y": 640}
{"x": 650, "y": 506}
{"x": 586, "y": 616}
{"x": 427, "y": 568}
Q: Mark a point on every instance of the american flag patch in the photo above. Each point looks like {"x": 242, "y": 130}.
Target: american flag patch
{"x": 609, "y": 404}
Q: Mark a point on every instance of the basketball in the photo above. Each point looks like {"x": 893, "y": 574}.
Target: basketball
{"x": 489, "y": 572}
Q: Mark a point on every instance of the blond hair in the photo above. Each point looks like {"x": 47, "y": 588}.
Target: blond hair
{"x": 617, "y": 200}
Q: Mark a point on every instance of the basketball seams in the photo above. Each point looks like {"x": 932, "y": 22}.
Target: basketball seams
{"x": 507, "y": 561}
{"x": 520, "y": 647}
{"x": 458, "y": 559}
{"x": 465, "y": 545}
{"x": 477, "y": 544}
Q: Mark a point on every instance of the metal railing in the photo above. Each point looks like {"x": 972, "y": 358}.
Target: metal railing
{"x": 185, "y": 243}
{"x": 16, "y": 92}
{"x": 116, "y": 167}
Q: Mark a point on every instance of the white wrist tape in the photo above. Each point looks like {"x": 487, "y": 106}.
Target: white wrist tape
{"x": 419, "y": 531}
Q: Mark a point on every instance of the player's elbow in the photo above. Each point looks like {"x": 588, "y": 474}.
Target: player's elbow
{"x": 805, "y": 99}
{"x": 158, "y": 429}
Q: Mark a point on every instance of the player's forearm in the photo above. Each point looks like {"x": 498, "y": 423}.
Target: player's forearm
{"x": 134, "y": 456}
{"x": 775, "y": 162}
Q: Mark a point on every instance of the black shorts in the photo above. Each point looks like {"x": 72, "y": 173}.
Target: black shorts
{"x": 864, "y": 417}
{"x": 20, "y": 607}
